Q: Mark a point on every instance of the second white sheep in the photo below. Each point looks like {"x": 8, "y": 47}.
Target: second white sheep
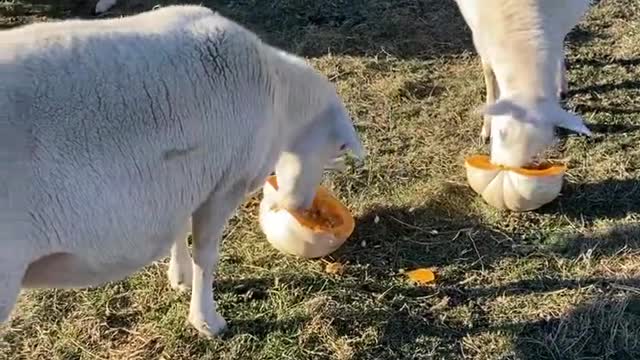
{"x": 520, "y": 43}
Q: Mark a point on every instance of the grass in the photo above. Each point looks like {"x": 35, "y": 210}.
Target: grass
{"x": 562, "y": 282}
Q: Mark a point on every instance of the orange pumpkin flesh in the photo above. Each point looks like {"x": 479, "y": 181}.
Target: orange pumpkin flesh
{"x": 544, "y": 169}
{"x": 326, "y": 214}
{"x": 421, "y": 276}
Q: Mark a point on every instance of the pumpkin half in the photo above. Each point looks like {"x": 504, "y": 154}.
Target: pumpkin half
{"x": 542, "y": 169}
{"x": 312, "y": 233}
{"x": 516, "y": 189}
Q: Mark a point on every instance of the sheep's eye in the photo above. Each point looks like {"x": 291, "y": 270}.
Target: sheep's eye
{"x": 343, "y": 146}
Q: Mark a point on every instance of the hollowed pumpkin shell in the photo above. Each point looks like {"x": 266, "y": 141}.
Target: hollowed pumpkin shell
{"x": 310, "y": 234}
{"x": 516, "y": 189}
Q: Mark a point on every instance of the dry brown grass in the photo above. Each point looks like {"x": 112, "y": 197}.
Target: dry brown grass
{"x": 559, "y": 283}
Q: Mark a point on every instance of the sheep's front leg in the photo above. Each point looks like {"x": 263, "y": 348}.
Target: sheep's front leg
{"x": 563, "y": 84}
{"x": 208, "y": 223}
{"x": 492, "y": 94}
{"x": 180, "y": 265}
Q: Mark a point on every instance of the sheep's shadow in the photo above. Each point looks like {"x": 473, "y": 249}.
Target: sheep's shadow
{"x": 606, "y": 328}
{"x": 587, "y": 202}
{"x": 405, "y": 325}
{"x": 599, "y": 89}
{"x": 610, "y": 129}
{"x": 602, "y": 329}
{"x": 17, "y": 12}
{"x": 581, "y": 35}
{"x": 261, "y": 328}
{"x": 447, "y": 230}
{"x": 598, "y": 63}
{"x": 633, "y": 85}
{"x": 443, "y": 231}
{"x": 613, "y": 110}
{"x": 403, "y": 29}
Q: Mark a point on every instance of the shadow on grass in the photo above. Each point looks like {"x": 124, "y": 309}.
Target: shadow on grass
{"x": 606, "y": 328}
{"x": 403, "y": 28}
{"x": 448, "y": 231}
{"x": 441, "y": 232}
{"x": 17, "y": 9}
{"x": 261, "y": 328}
{"x": 609, "y": 199}
{"x": 581, "y": 35}
{"x": 445, "y": 231}
{"x": 603, "y": 88}
{"x": 610, "y": 129}
{"x": 488, "y": 248}
{"x": 613, "y": 110}
{"x": 607, "y": 242}
{"x": 449, "y": 234}
{"x": 602, "y": 329}
{"x": 598, "y": 63}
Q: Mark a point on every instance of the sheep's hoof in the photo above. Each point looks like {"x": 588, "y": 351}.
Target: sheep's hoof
{"x": 180, "y": 278}
{"x": 179, "y": 285}
{"x": 210, "y": 325}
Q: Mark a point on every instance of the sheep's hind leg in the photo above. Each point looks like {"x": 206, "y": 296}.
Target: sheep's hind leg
{"x": 491, "y": 86}
{"x": 180, "y": 272}
{"x": 11, "y": 274}
{"x": 563, "y": 83}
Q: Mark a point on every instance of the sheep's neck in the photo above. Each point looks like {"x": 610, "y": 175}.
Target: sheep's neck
{"x": 523, "y": 45}
{"x": 531, "y": 73}
{"x": 301, "y": 99}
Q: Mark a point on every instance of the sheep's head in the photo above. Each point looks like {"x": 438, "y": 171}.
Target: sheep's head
{"x": 316, "y": 127}
{"x": 520, "y": 130}
{"x": 316, "y": 147}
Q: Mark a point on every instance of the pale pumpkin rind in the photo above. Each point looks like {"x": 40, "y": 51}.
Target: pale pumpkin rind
{"x": 296, "y": 234}
{"x": 516, "y": 189}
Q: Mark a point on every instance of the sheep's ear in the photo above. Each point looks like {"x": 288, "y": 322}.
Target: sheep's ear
{"x": 552, "y": 113}
{"x": 346, "y": 133}
{"x": 572, "y": 122}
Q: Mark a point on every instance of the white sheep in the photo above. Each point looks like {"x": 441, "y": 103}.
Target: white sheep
{"x": 115, "y": 134}
{"x": 520, "y": 43}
